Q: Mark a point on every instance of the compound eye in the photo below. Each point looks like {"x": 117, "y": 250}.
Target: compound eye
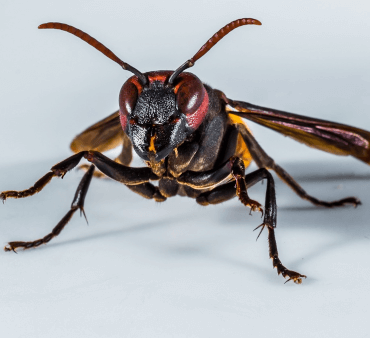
{"x": 192, "y": 99}
{"x": 128, "y": 98}
{"x": 190, "y": 95}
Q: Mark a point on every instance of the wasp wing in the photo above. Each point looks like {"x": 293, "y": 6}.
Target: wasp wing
{"x": 102, "y": 136}
{"x": 335, "y": 138}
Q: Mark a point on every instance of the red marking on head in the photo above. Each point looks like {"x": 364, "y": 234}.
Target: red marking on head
{"x": 123, "y": 119}
{"x": 195, "y": 119}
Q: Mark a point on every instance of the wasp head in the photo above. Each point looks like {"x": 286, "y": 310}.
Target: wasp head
{"x": 159, "y": 117}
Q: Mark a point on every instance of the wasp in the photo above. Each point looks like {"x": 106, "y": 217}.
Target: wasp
{"x": 193, "y": 142}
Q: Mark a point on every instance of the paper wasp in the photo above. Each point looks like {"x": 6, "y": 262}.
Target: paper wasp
{"x": 194, "y": 143}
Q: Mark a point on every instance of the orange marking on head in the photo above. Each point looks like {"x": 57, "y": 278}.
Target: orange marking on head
{"x": 151, "y": 146}
{"x": 138, "y": 85}
{"x": 176, "y": 89}
{"x": 158, "y": 77}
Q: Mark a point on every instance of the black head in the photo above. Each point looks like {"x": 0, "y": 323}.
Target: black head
{"x": 159, "y": 117}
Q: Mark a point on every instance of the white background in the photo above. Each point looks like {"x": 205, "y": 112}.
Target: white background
{"x": 176, "y": 269}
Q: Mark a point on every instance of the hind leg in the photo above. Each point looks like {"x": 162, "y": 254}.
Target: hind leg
{"x": 265, "y": 161}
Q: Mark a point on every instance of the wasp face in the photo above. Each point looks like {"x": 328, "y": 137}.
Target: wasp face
{"x": 158, "y": 118}
{"x": 156, "y": 127}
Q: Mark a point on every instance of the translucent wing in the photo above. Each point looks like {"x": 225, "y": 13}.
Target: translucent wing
{"x": 102, "y": 136}
{"x": 335, "y": 138}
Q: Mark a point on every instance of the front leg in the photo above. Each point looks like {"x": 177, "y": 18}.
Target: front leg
{"x": 234, "y": 168}
{"x": 77, "y": 203}
{"x": 121, "y": 173}
{"x": 58, "y": 170}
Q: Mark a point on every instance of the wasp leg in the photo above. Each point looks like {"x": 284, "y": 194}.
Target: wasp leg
{"x": 265, "y": 161}
{"x": 59, "y": 170}
{"x": 97, "y": 173}
{"x": 218, "y": 195}
{"x": 125, "y": 157}
{"x": 77, "y": 203}
{"x": 270, "y": 222}
{"x": 212, "y": 178}
{"x": 121, "y": 173}
{"x": 147, "y": 190}
{"x": 136, "y": 179}
{"x": 237, "y": 170}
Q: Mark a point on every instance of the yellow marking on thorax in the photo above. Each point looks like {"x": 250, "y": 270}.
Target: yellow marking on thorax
{"x": 241, "y": 148}
{"x": 151, "y": 146}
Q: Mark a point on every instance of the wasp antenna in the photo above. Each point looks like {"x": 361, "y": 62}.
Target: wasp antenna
{"x": 96, "y": 44}
{"x": 211, "y": 42}
{"x": 220, "y": 34}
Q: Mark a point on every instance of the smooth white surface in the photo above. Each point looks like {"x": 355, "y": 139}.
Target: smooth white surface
{"x": 176, "y": 269}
